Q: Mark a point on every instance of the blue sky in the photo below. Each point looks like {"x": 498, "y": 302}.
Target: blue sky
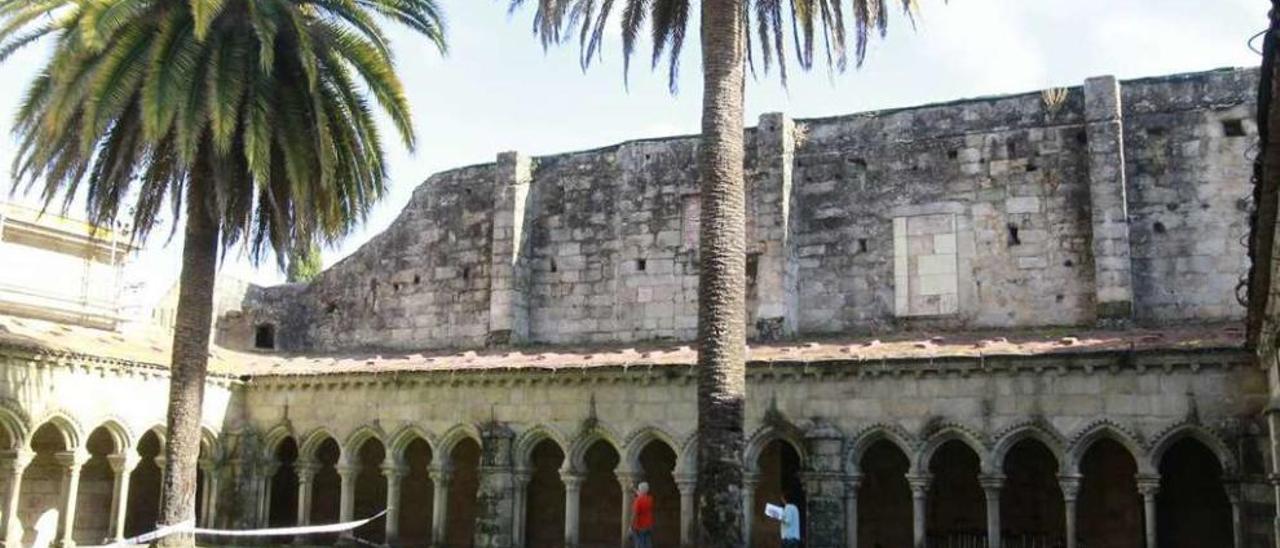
{"x": 498, "y": 90}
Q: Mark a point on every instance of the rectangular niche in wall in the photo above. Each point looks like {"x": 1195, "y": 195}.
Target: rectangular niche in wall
{"x": 925, "y": 270}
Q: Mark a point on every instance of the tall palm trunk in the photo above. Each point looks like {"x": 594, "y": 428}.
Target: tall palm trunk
{"x": 722, "y": 277}
{"x": 190, "y": 360}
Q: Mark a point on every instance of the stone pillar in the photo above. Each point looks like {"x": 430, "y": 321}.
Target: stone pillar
{"x": 440, "y": 478}
{"x": 1108, "y": 203}
{"x": 1070, "y": 486}
{"x": 1148, "y": 486}
{"x": 851, "y": 485}
{"x": 991, "y": 485}
{"x": 522, "y": 477}
{"x": 347, "y": 500}
{"x": 306, "y": 480}
{"x": 628, "y": 482}
{"x": 394, "y": 474}
{"x": 212, "y": 486}
{"x": 15, "y": 464}
{"x": 824, "y": 487}
{"x": 572, "y": 490}
{"x": 771, "y": 197}
{"x": 687, "y": 484}
{"x": 1237, "y": 512}
{"x": 496, "y": 509}
{"x": 267, "y": 471}
{"x": 72, "y": 461}
{"x": 508, "y": 268}
{"x": 122, "y": 466}
{"x": 919, "y": 505}
{"x": 749, "y": 482}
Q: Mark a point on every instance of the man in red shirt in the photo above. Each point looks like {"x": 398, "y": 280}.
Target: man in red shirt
{"x": 642, "y": 518}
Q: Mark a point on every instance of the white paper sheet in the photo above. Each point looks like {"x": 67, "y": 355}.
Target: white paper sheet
{"x": 772, "y": 511}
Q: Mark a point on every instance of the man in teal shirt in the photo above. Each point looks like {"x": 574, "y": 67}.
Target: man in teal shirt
{"x": 790, "y": 523}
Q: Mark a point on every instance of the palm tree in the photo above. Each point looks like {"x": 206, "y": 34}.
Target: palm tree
{"x": 249, "y": 115}
{"x": 726, "y": 53}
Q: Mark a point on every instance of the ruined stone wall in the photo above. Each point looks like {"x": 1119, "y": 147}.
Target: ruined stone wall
{"x": 1113, "y": 202}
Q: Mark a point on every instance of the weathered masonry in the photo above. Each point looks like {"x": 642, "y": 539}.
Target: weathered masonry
{"x": 1007, "y": 322}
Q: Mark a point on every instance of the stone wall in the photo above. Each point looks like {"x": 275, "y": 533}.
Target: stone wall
{"x": 1113, "y": 202}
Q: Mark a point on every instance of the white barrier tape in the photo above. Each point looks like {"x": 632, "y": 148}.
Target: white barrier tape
{"x": 189, "y": 526}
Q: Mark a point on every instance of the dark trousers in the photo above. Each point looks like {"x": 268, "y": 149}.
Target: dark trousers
{"x": 790, "y": 543}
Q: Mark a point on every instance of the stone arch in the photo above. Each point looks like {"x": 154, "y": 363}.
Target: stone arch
{"x": 892, "y": 434}
{"x": 687, "y": 457}
{"x": 275, "y": 436}
{"x": 453, "y": 436}
{"x": 120, "y": 434}
{"x": 1046, "y": 435}
{"x": 1226, "y": 458}
{"x": 210, "y": 445}
{"x": 528, "y": 440}
{"x": 161, "y": 433}
{"x": 638, "y": 440}
{"x": 72, "y": 435}
{"x": 587, "y": 438}
{"x": 952, "y": 432}
{"x": 767, "y": 434}
{"x": 1105, "y": 429}
{"x": 15, "y": 423}
{"x": 357, "y": 438}
{"x": 399, "y": 443}
{"x": 311, "y": 443}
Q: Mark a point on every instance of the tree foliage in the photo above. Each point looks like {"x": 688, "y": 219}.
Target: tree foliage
{"x": 268, "y": 94}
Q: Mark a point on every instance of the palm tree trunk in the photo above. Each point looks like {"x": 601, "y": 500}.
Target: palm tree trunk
{"x": 190, "y": 359}
{"x": 722, "y": 278}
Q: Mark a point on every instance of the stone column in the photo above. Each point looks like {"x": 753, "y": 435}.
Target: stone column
{"x": 495, "y": 508}
{"x": 347, "y": 500}
{"x": 72, "y": 461}
{"x": 440, "y": 478}
{"x": 268, "y": 471}
{"x": 749, "y": 483}
{"x": 572, "y": 490}
{"x": 394, "y": 474}
{"x": 919, "y": 505}
{"x": 306, "y": 480}
{"x": 1108, "y": 203}
{"x": 825, "y": 520}
{"x": 522, "y": 477}
{"x": 15, "y": 464}
{"x": 508, "y": 269}
{"x": 1070, "y": 486}
{"x": 771, "y": 197}
{"x": 688, "y": 507}
{"x": 991, "y": 485}
{"x": 212, "y": 484}
{"x": 1237, "y": 512}
{"x": 1148, "y": 486}
{"x": 122, "y": 466}
{"x": 628, "y": 481}
{"x": 851, "y": 485}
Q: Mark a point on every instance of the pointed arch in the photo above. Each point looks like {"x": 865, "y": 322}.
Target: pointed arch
{"x": 399, "y": 443}
{"x": 687, "y": 458}
{"x": 576, "y": 460}
{"x": 769, "y": 433}
{"x": 15, "y": 422}
{"x": 120, "y": 434}
{"x": 209, "y": 443}
{"x": 307, "y": 451}
{"x": 363, "y": 433}
{"x": 455, "y": 435}
{"x": 891, "y": 433}
{"x": 530, "y": 438}
{"x": 1107, "y": 429}
{"x": 1029, "y": 430}
{"x": 1219, "y": 448}
{"x": 952, "y": 432}
{"x": 637, "y": 440}
{"x": 275, "y": 436}
{"x": 70, "y": 430}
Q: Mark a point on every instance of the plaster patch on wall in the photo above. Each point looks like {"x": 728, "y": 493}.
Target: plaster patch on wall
{"x": 925, "y": 270}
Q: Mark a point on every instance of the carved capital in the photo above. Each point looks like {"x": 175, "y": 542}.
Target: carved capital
{"x": 123, "y": 463}
{"x": 991, "y": 483}
{"x": 1148, "y": 484}
{"x": 572, "y": 481}
{"x": 919, "y": 484}
{"x": 391, "y": 470}
{"x": 852, "y": 483}
{"x": 72, "y": 460}
{"x": 1070, "y": 485}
